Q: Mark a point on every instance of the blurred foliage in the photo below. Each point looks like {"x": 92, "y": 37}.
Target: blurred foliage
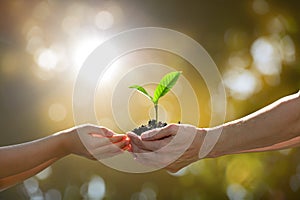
{"x": 41, "y": 49}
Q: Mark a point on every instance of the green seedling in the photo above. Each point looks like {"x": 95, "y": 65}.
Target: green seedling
{"x": 164, "y": 86}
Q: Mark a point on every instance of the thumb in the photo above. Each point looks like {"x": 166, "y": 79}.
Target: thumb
{"x": 134, "y": 139}
{"x": 158, "y": 134}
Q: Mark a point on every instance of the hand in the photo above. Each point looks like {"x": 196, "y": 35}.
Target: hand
{"x": 94, "y": 142}
{"x": 172, "y": 147}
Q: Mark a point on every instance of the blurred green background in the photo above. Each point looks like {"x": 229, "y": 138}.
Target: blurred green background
{"x": 43, "y": 44}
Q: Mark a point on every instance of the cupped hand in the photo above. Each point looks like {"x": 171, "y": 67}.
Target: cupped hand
{"x": 172, "y": 147}
{"x": 95, "y": 142}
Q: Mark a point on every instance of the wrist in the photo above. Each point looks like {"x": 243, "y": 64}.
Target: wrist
{"x": 206, "y": 143}
{"x": 64, "y": 142}
{"x": 212, "y": 145}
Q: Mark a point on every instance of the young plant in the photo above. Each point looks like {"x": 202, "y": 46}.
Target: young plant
{"x": 164, "y": 86}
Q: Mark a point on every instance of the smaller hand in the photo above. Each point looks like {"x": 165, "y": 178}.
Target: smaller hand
{"x": 172, "y": 147}
{"x": 95, "y": 142}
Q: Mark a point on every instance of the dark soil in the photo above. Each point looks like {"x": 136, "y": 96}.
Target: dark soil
{"x": 151, "y": 125}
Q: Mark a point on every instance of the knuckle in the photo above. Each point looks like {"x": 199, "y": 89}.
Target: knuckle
{"x": 172, "y": 127}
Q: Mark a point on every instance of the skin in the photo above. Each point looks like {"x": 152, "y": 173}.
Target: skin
{"x": 21, "y": 161}
{"x": 154, "y": 147}
{"x": 273, "y": 127}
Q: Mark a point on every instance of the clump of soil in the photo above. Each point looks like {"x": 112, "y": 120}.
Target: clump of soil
{"x": 151, "y": 125}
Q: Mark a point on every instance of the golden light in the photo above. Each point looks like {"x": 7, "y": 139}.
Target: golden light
{"x": 35, "y": 40}
{"x": 9, "y": 65}
{"x": 260, "y": 7}
{"x": 47, "y": 59}
{"x": 236, "y": 191}
{"x": 83, "y": 47}
{"x": 266, "y": 55}
{"x": 70, "y": 24}
{"x": 241, "y": 83}
{"x": 104, "y": 20}
{"x": 53, "y": 194}
{"x": 44, "y": 174}
{"x": 45, "y": 43}
{"x": 32, "y": 188}
{"x": 57, "y": 112}
{"x": 288, "y": 49}
{"x": 244, "y": 170}
{"x": 239, "y": 60}
{"x": 96, "y": 188}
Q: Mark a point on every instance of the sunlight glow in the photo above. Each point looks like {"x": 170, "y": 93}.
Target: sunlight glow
{"x": 295, "y": 180}
{"x": 276, "y": 26}
{"x": 288, "y": 49}
{"x": 83, "y": 48}
{"x": 53, "y": 194}
{"x": 34, "y": 43}
{"x": 44, "y": 174}
{"x": 241, "y": 83}
{"x": 238, "y": 62}
{"x": 70, "y": 24}
{"x": 96, "y": 188}
{"x": 47, "y": 59}
{"x": 236, "y": 192}
{"x": 31, "y": 185}
{"x": 266, "y": 55}
{"x": 104, "y": 20}
{"x": 260, "y": 7}
{"x": 57, "y": 112}
{"x": 32, "y": 189}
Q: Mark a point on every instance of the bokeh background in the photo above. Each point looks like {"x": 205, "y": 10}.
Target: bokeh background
{"x": 43, "y": 44}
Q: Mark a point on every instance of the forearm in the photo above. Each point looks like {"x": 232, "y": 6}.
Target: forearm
{"x": 276, "y": 126}
{"x": 17, "y": 159}
{"x": 294, "y": 142}
{"x": 14, "y": 179}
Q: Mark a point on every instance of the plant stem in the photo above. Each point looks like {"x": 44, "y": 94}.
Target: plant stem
{"x": 156, "y": 114}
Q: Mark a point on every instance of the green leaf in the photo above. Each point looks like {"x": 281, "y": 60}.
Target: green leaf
{"x": 165, "y": 85}
{"x": 142, "y": 90}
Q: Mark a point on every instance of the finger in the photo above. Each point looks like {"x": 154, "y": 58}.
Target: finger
{"x": 117, "y": 138}
{"x": 147, "y": 145}
{"x": 113, "y": 139}
{"x": 107, "y": 132}
{"x": 94, "y": 142}
{"x": 132, "y": 135}
{"x": 134, "y": 139}
{"x": 136, "y": 149}
{"x": 122, "y": 144}
{"x": 149, "y": 159}
{"x": 155, "y": 145}
{"x": 97, "y": 143}
{"x": 127, "y": 138}
{"x": 91, "y": 128}
{"x": 157, "y": 134}
{"x": 129, "y": 149}
{"x": 103, "y": 133}
{"x": 106, "y": 151}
